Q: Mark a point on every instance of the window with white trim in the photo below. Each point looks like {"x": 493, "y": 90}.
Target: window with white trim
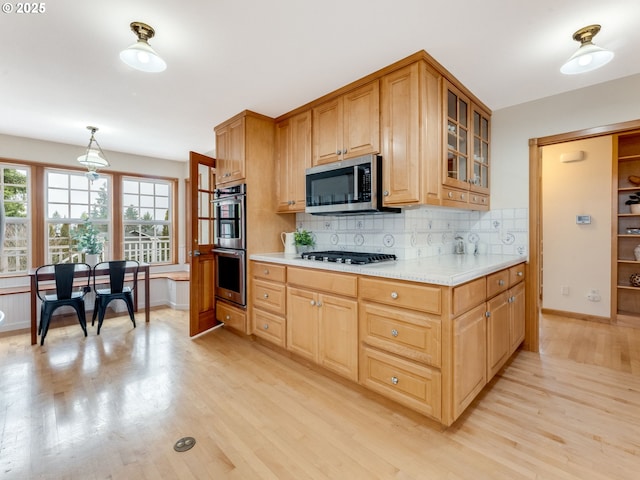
{"x": 15, "y": 224}
{"x": 146, "y": 217}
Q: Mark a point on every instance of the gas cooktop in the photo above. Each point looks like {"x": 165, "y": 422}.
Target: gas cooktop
{"x": 350, "y": 258}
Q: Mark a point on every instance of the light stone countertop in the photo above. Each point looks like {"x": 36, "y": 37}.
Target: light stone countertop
{"x": 448, "y": 270}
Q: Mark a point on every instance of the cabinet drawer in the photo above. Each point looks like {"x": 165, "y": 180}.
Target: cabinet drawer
{"x": 269, "y": 271}
{"x": 269, "y": 326}
{"x": 340, "y": 283}
{"x": 497, "y": 282}
{"x": 409, "y": 383}
{"x": 516, "y": 274}
{"x": 230, "y": 316}
{"x": 454, "y": 195}
{"x": 467, "y": 296}
{"x": 477, "y": 199}
{"x": 269, "y": 296}
{"x": 425, "y": 298}
{"x": 411, "y": 334}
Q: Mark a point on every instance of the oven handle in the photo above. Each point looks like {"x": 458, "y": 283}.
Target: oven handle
{"x": 226, "y": 251}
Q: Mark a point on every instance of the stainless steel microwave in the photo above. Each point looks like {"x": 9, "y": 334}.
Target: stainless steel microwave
{"x": 350, "y": 187}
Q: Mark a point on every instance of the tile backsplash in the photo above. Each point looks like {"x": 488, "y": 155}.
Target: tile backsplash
{"x": 421, "y": 231}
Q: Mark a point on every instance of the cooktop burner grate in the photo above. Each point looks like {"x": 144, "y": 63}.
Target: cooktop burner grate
{"x": 353, "y": 258}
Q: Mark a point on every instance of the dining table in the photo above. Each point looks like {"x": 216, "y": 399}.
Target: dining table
{"x": 143, "y": 269}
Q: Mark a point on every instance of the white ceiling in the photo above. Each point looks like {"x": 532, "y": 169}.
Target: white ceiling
{"x": 60, "y": 70}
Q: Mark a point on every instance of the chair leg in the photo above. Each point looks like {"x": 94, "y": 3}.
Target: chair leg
{"x": 95, "y": 310}
{"x": 129, "y": 301}
{"x": 82, "y": 316}
{"x": 102, "y": 310}
{"x": 45, "y": 319}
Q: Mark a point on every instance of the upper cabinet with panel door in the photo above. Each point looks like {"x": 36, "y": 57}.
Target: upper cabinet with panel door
{"x": 293, "y": 157}
{"x": 347, "y": 126}
{"x": 246, "y": 135}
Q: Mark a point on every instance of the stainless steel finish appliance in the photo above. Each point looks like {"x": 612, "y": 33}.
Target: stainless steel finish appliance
{"x": 229, "y": 205}
{"x": 350, "y": 187}
{"x": 350, "y": 258}
{"x": 230, "y": 281}
{"x": 230, "y": 243}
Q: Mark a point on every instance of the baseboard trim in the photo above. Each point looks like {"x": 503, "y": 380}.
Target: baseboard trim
{"x": 579, "y": 316}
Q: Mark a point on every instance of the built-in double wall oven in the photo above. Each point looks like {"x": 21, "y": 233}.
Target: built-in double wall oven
{"x": 230, "y": 243}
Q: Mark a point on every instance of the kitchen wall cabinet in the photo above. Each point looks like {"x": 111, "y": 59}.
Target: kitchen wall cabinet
{"x": 293, "y": 157}
{"x": 466, "y": 153}
{"x": 410, "y": 123}
{"x": 347, "y": 126}
{"x": 322, "y": 319}
{"x": 625, "y": 295}
{"x": 246, "y": 135}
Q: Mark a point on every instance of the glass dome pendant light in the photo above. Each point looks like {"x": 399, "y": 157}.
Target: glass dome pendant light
{"x": 94, "y": 158}
{"x": 140, "y": 55}
{"x": 588, "y": 57}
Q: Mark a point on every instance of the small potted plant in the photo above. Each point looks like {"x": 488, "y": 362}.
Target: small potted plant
{"x": 634, "y": 202}
{"x": 89, "y": 243}
{"x": 303, "y": 240}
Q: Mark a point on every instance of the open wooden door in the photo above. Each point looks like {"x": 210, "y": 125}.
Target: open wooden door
{"x": 202, "y": 313}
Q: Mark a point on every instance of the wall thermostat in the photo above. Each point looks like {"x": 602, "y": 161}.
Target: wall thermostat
{"x": 583, "y": 219}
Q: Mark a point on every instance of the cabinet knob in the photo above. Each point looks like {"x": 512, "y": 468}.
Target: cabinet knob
{"x": 450, "y": 194}
{"x": 394, "y": 380}
{"x": 394, "y": 295}
{"x": 319, "y": 304}
{"x": 266, "y": 295}
{"x": 228, "y": 317}
{"x": 266, "y": 271}
{"x": 338, "y": 152}
{"x": 385, "y": 193}
{"x": 312, "y": 302}
{"x": 487, "y": 314}
{"x": 519, "y": 274}
{"x": 394, "y": 332}
{"x": 501, "y": 283}
{"x": 462, "y": 196}
{"x": 266, "y": 326}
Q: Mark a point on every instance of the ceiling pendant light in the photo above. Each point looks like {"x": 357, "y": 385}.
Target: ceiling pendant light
{"x": 94, "y": 157}
{"x": 588, "y": 57}
{"x": 140, "y": 55}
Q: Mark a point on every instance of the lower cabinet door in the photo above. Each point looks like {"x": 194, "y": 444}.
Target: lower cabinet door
{"x": 338, "y": 335}
{"x": 469, "y": 358}
{"x": 517, "y": 315}
{"x": 498, "y": 341}
{"x": 409, "y": 383}
{"x": 302, "y": 323}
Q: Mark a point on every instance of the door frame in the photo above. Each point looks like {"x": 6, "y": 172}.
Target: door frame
{"x": 534, "y": 273}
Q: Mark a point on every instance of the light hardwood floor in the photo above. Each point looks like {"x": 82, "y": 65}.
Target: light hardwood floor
{"x": 112, "y": 406}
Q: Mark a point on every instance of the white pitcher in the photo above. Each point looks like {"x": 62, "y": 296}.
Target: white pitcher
{"x": 289, "y": 243}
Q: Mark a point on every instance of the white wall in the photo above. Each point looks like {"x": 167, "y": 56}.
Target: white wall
{"x": 577, "y": 257}
{"x": 511, "y": 129}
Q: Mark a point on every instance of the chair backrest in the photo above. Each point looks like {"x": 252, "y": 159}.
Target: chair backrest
{"x": 68, "y": 278}
{"x": 122, "y": 273}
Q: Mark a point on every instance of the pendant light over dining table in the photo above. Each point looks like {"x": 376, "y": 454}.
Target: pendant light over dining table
{"x": 140, "y": 55}
{"x": 94, "y": 158}
{"x": 588, "y": 57}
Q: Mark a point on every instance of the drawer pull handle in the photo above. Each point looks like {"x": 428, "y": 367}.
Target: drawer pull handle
{"x": 228, "y": 317}
{"x": 266, "y": 271}
{"x": 266, "y": 295}
{"x": 501, "y": 283}
{"x": 319, "y": 303}
{"x": 394, "y": 295}
{"x": 394, "y": 380}
{"x": 394, "y": 332}
{"x": 312, "y": 302}
{"x": 266, "y": 326}
{"x": 520, "y": 274}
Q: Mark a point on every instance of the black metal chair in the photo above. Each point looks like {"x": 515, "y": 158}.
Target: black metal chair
{"x": 71, "y": 286}
{"x": 123, "y": 277}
